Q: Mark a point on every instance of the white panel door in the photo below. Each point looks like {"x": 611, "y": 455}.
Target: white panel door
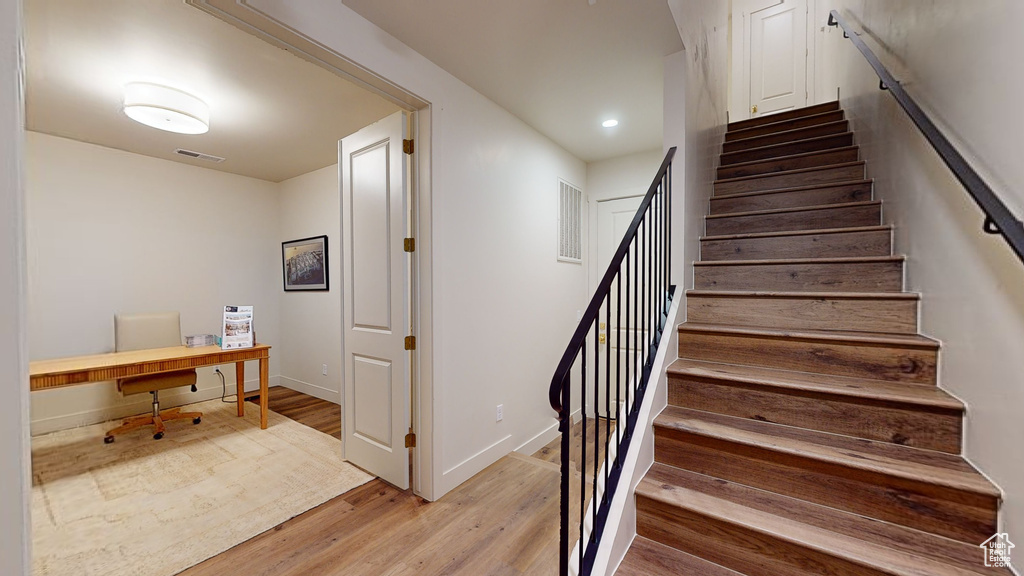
{"x": 778, "y": 58}
{"x": 377, "y": 395}
{"x": 613, "y": 218}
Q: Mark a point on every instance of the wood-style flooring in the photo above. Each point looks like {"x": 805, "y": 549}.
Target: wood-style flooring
{"x": 503, "y": 521}
{"x": 305, "y": 409}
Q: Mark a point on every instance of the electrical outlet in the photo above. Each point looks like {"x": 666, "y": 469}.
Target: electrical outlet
{"x": 324, "y": 370}
{"x": 501, "y": 413}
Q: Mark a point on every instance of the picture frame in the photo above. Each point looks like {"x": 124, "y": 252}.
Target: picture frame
{"x": 304, "y": 264}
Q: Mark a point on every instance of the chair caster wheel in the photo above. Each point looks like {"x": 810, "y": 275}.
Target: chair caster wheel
{"x": 197, "y": 420}
{"x": 108, "y": 439}
{"x": 158, "y": 435}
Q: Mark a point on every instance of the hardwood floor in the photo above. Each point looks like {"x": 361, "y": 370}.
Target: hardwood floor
{"x": 305, "y": 409}
{"x": 503, "y": 521}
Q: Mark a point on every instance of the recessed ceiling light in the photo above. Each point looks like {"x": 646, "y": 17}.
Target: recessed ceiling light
{"x": 166, "y": 108}
{"x": 610, "y": 123}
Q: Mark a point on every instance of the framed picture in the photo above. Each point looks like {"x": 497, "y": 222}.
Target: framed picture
{"x": 304, "y": 263}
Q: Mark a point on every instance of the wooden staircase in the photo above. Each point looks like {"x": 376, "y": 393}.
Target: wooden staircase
{"x": 805, "y": 433}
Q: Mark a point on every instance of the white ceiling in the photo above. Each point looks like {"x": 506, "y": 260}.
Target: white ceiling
{"x": 562, "y": 66}
{"x": 273, "y": 115}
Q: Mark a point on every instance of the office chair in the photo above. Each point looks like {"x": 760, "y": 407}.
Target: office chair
{"x": 141, "y": 332}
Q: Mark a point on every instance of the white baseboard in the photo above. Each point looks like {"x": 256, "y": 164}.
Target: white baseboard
{"x": 544, "y": 437}
{"x": 139, "y": 405}
{"x": 311, "y": 389}
{"x": 471, "y": 466}
{"x": 530, "y": 447}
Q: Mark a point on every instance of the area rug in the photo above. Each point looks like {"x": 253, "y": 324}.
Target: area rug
{"x": 156, "y": 507}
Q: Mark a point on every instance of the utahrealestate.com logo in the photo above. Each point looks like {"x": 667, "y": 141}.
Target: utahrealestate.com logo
{"x": 997, "y": 550}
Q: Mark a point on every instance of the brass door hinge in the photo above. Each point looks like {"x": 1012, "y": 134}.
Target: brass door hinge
{"x": 410, "y": 342}
{"x": 410, "y": 440}
{"x": 410, "y": 244}
{"x": 408, "y": 146}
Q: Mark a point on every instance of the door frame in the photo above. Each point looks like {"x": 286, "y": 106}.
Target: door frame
{"x": 739, "y": 74}
{"x": 239, "y": 14}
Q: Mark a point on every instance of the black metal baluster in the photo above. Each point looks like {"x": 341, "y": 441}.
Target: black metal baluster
{"x": 607, "y": 382}
{"x": 643, "y": 292}
{"x": 597, "y": 420}
{"x": 629, "y": 329}
{"x": 618, "y": 366}
{"x": 668, "y": 178}
{"x": 636, "y": 324}
{"x": 583, "y": 443}
{"x": 563, "y": 529}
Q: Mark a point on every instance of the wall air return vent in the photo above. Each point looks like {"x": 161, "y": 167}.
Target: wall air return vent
{"x": 570, "y": 225}
{"x": 199, "y": 155}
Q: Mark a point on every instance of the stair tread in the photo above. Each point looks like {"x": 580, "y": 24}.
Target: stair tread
{"x": 785, "y": 157}
{"x": 808, "y": 295}
{"x": 788, "y": 172}
{"x": 793, "y": 209}
{"x": 877, "y": 338}
{"x": 791, "y": 189}
{"x": 801, "y": 128}
{"x": 785, "y": 261}
{"x": 825, "y": 107}
{"x": 646, "y": 557}
{"x": 913, "y": 464}
{"x": 768, "y": 126}
{"x": 798, "y": 232}
{"x": 920, "y": 395}
{"x": 892, "y": 548}
{"x": 784, "y": 144}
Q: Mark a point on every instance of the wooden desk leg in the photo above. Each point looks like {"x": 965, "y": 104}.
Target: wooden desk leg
{"x": 264, "y": 390}
{"x": 240, "y": 386}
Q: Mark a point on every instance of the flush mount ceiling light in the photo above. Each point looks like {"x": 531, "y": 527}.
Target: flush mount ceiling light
{"x": 166, "y": 108}
{"x": 610, "y": 123}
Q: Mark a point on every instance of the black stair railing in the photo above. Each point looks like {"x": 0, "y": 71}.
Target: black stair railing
{"x": 608, "y": 363}
{"x": 998, "y": 218}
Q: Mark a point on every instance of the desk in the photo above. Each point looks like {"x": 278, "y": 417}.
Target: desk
{"x": 60, "y": 372}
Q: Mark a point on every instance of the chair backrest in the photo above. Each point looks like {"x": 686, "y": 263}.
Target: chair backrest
{"x": 142, "y": 331}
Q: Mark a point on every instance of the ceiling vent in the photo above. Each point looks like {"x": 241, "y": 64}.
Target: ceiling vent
{"x": 199, "y": 155}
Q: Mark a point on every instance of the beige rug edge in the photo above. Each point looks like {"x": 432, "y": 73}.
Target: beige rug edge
{"x": 206, "y": 488}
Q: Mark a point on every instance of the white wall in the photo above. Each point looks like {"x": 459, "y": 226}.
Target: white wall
{"x": 506, "y": 305}
{"x": 502, "y": 306}
{"x": 310, "y": 336}
{"x": 114, "y": 232}
{"x": 960, "y": 62}
{"x": 702, "y": 71}
{"x": 14, "y": 473}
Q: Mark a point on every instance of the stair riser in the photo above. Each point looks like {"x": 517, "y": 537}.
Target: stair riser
{"x": 884, "y": 276}
{"x": 799, "y": 147}
{"x": 782, "y": 116}
{"x": 735, "y": 546}
{"x": 907, "y": 425}
{"x": 787, "y": 136}
{"x": 802, "y": 122}
{"x": 835, "y": 194}
{"x": 908, "y": 364}
{"x": 844, "y": 244}
{"x": 895, "y": 316}
{"x": 826, "y": 158}
{"x": 817, "y": 219}
{"x": 790, "y": 180}
{"x": 949, "y": 512}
